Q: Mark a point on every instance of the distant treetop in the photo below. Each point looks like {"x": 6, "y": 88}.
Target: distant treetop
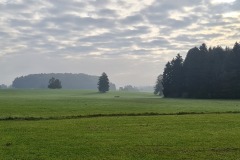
{"x": 103, "y": 83}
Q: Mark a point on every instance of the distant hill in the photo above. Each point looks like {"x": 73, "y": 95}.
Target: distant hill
{"x": 69, "y": 81}
{"x": 146, "y": 89}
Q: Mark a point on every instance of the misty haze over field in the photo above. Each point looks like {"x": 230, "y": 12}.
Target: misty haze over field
{"x": 130, "y": 40}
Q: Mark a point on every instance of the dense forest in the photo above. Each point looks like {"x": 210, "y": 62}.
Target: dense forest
{"x": 205, "y": 73}
{"x": 68, "y": 81}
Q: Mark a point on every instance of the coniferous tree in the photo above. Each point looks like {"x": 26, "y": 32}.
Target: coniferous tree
{"x": 236, "y": 71}
{"x": 172, "y": 80}
{"x": 204, "y": 53}
{"x": 158, "y": 87}
{"x": 103, "y": 83}
{"x": 167, "y": 80}
{"x": 178, "y": 76}
{"x": 218, "y": 63}
{"x": 193, "y": 66}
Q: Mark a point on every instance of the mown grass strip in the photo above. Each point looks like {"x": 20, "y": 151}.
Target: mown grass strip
{"x": 110, "y": 115}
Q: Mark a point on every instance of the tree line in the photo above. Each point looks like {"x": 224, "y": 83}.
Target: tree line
{"x": 67, "y": 80}
{"x": 205, "y": 73}
{"x": 103, "y": 83}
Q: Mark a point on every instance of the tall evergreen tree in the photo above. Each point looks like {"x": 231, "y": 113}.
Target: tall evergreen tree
{"x": 103, "y": 83}
{"x": 193, "y": 67}
{"x": 158, "y": 87}
{"x": 167, "y": 80}
{"x": 236, "y": 71}
{"x": 178, "y": 76}
{"x": 173, "y": 80}
{"x": 204, "y": 73}
{"x": 216, "y": 67}
{"x": 236, "y": 48}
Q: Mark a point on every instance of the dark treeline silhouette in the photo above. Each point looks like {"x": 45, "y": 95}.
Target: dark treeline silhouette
{"x": 68, "y": 81}
{"x": 205, "y": 73}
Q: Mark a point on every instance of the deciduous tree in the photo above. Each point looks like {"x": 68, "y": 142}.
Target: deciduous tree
{"x": 54, "y": 83}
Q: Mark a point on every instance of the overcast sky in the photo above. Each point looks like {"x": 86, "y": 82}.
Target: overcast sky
{"x": 130, "y": 40}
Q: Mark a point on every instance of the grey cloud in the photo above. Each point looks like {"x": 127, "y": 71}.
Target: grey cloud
{"x": 115, "y": 35}
{"x": 165, "y": 6}
{"x": 56, "y": 32}
{"x": 178, "y": 24}
{"x": 236, "y": 5}
{"x": 80, "y": 49}
{"x": 163, "y": 19}
{"x": 137, "y": 31}
{"x": 117, "y": 43}
{"x": 140, "y": 52}
{"x": 215, "y": 23}
{"x": 117, "y": 39}
{"x": 157, "y": 19}
{"x": 3, "y": 34}
{"x": 234, "y": 36}
{"x": 169, "y": 25}
{"x": 81, "y": 22}
{"x": 10, "y": 7}
{"x": 19, "y": 23}
{"x": 187, "y": 38}
{"x": 61, "y": 6}
{"x": 110, "y": 41}
{"x": 208, "y": 36}
{"x": 220, "y": 8}
{"x": 133, "y": 20}
{"x": 160, "y": 42}
{"x": 195, "y": 38}
{"x": 107, "y": 37}
{"x": 99, "y": 3}
{"x": 107, "y": 13}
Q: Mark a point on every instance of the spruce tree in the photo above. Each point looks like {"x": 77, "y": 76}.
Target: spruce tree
{"x": 173, "y": 78}
{"x": 167, "y": 80}
{"x": 158, "y": 87}
{"x": 103, "y": 83}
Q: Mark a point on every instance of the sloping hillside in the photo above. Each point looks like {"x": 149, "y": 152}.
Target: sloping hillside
{"x": 69, "y": 81}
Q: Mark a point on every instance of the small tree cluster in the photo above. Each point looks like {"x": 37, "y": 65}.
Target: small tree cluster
{"x": 129, "y": 88}
{"x": 3, "y": 86}
{"x": 54, "y": 83}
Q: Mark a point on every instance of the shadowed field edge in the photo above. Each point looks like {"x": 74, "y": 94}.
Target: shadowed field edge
{"x": 111, "y": 115}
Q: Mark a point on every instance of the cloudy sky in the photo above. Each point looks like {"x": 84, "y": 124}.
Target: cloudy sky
{"x": 130, "y": 40}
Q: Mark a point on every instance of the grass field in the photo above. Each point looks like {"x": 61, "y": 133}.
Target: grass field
{"x": 62, "y": 124}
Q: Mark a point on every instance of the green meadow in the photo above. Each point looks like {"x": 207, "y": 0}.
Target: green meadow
{"x": 73, "y": 124}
